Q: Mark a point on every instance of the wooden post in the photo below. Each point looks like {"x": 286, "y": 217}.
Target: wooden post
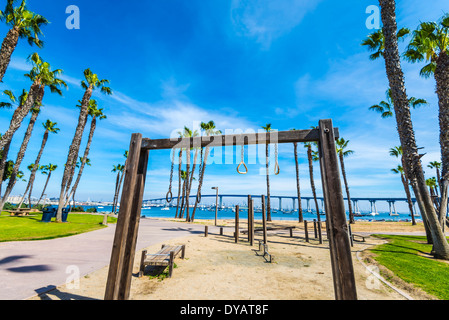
{"x": 249, "y": 218}
{"x": 133, "y": 227}
{"x": 237, "y": 231}
{"x": 142, "y": 265}
{"x": 340, "y": 248}
{"x": 306, "y": 231}
{"x": 264, "y": 221}
{"x": 206, "y": 231}
{"x": 221, "y": 231}
{"x": 121, "y": 237}
{"x": 315, "y": 229}
{"x": 251, "y": 241}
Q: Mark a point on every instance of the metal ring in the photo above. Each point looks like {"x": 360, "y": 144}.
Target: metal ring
{"x": 169, "y": 196}
{"x": 238, "y": 168}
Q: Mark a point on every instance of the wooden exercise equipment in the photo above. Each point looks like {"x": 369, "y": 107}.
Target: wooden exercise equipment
{"x": 124, "y": 246}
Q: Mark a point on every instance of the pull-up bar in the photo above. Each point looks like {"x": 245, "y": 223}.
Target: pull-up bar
{"x": 123, "y": 251}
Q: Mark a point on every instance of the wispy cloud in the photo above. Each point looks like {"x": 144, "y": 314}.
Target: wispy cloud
{"x": 267, "y": 20}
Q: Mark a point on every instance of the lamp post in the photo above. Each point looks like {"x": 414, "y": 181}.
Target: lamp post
{"x": 216, "y": 204}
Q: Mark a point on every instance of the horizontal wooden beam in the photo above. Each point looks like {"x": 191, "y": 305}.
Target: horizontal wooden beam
{"x": 312, "y": 135}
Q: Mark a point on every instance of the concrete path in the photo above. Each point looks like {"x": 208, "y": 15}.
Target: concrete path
{"x": 30, "y": 268}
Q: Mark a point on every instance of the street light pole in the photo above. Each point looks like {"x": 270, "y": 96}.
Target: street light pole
{"x": 216, "y": 205}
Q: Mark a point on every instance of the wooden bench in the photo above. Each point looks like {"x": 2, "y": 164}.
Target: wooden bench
{"x": 164, "y": 258}
{"x": 361, "y": 238}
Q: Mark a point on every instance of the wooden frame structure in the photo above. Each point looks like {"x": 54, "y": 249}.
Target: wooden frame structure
{"x": 123, "y": 251}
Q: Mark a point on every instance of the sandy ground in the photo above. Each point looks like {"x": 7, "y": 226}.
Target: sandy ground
{"x": 216, "y": 268}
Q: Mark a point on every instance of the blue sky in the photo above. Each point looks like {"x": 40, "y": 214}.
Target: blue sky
{"x": 240, "y": 63}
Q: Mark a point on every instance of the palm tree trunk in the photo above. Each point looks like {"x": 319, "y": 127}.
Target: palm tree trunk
{"x": 19, "y": 114}
{"x": 300, "y": 215}
{"x": 413, "y": 166}
{"x": 72, "y": 156}
{"x": 268, "y": 181}
{"x": 312, "y": 182}
{"x": 442, "y": 84}
{"x": 93, "y": 126}
{"x": 179, "y": 183}
{"x": 36, "y": 164}
{"x": 114, "y": 203}
{"x": 20, "y": 156}
{"x": 3, "y": 162}
{"x": 43, "y": 191}
{"x": 8, "y": 46}
{"x": 409, "y": 198}
{"x": 343, "y": 172}
{"x": 200, "y": 183}
{"x": 187, "y": 183}
{"x": 181, "y": 209}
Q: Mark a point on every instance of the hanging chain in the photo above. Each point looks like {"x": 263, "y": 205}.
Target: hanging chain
{"x": 277, "y": 170}
{"x": 169, "y": 196}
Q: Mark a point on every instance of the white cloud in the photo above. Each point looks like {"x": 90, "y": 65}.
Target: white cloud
{"x": 267, "y": 20}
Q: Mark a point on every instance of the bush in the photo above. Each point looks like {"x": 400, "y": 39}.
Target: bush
{"x": 92, "y": 210}
{"x": 78, "y": 209}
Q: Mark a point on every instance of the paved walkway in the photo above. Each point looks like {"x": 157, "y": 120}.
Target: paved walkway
{"x": 30, "y": 268}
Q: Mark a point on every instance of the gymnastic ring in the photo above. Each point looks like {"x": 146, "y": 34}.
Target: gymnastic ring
{"x": 277, "y": 169}
{"x": 169, "y": 196}
{"x": 238, "y": 168}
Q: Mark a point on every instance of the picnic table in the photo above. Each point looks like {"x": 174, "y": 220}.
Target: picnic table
{"x": 22, "y": 212}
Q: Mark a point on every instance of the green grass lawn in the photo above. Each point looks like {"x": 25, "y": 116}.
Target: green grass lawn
{"x": 402, "y": 255}
{"x": 31, "y": 228}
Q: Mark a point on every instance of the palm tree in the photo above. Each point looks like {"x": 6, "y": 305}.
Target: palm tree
{"x": 119, "y": 169}
{"x": 298, "y": 189}
{"x": 95, "y": 113}
{"x": 82, "y": 163}
{"x": 91, "y": 82}
{"x": 268, "y": 129}
{"x": 342, "y": 144}
{"x": 400, "y": 170}
{"x": 179, "y": 179}
{"x": 413, "y": 167}
{"x": 433, "y": 186}
{"x": 311, "y": 155}
{"x": 386, "y": 108}
{"x": 50, "y": 127}
{"x": 41, "y": 76}
{"x": 30, "y": 168}
{"x": 376, "y": 42}
{"x": 436, "y": 165}
{"x": 209, "y": 129}
{"x": 430, "y": 43}
{"x": 183, "y": 178}
{"x": 188, "y": 133}
{"x": 24, "y": 24}
{"x": 47, "y": 170}
{"x": 5, "y": 151}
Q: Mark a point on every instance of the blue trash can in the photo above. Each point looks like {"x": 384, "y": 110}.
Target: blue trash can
{"x": 48, "y": 214}
{"x": 65, "y": 214}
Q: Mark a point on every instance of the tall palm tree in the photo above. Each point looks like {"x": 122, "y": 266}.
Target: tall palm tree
{"x": 413, "y": 167}
{"x": 50, "y": 127}
{"x": 386, "y": 108}
{"x": 30, "y": 168}
{"x": 437, "y": 166}
{"x": 268, "y": 129}
{"x": 430, "y": 43}
{"x": 20, "y": 101}
{"x": 342, "y": 152}
{"x": 121, "y": 173}
{"x": 91, "y": 82}
{"x": 23, "y": 24}
{"x": 298, "y": 188}
{"x": 188, "y": 133}
{"x": 183, "y": 178}
{"x": 209, "y": 129}
{"x": 41, "y": 76}
{"x": 120, "y": 170}
{"x": 83, "y": 163}
{"x": 311, "y": 155}
{"x": 95, "y": 113}
{"x": 47, "y": 170}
